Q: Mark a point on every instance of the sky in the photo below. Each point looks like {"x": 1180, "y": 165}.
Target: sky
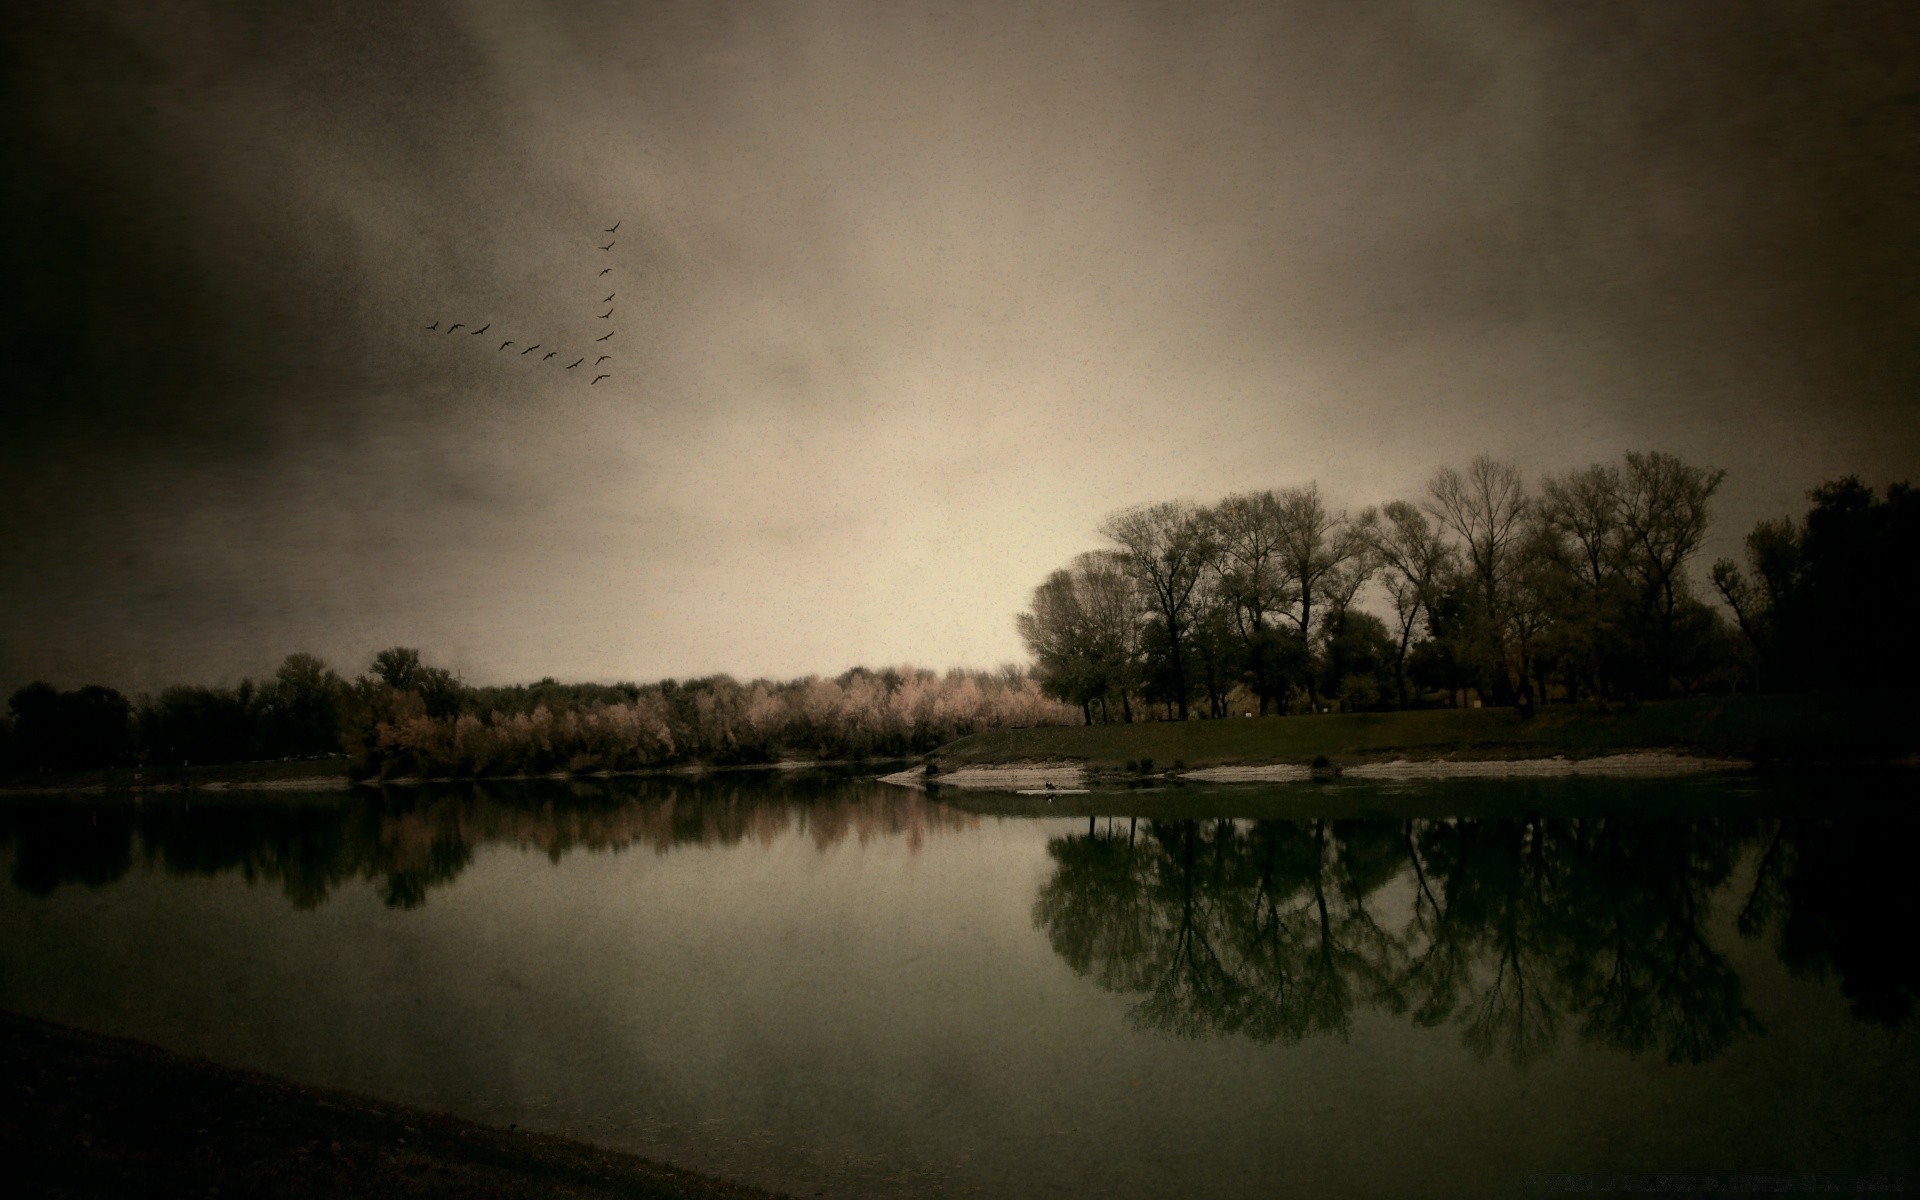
{"x": 907, "y": 298}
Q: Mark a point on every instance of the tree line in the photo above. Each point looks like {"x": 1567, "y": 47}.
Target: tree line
{"x": 406, "y": 717}
{"x": 1487, "y": 589}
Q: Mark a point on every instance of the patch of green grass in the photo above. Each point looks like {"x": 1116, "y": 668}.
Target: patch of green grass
{"x": 1794, "y": 727}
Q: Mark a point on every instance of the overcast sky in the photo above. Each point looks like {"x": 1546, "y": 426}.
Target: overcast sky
{"x": 908, "y": 297}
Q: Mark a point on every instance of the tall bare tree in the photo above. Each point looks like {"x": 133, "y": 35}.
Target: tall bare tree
{"x": 1252, "y": 572}
{"x": 1486, "y": 507}
{"x": 1414, "y": 560}
{"x": 1318, "y": 550}
{"x": 1583, "y": 508}
{"x": 1168, "y": 547}
{"x": 1663, "y": 518}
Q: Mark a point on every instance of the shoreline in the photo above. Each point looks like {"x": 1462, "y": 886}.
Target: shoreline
{"x": 87, "y": 1114}
{"x": 230, "y": 778}
{"x": 1020, "y": 776}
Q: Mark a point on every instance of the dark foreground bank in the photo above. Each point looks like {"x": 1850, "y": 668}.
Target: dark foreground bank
{"x": 83, "y": 1115}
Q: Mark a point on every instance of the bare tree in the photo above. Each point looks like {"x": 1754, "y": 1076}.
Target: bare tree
{"x": 1663, "y": 518}
{"x": 1252, "y": 571}
{"x": 1168, "y": 546}
{"x": 1318, "y": 548}
{"x": 1414, "y": 560}
{"x": 1486, "y": 507}
{"x": 1583, "y": 507}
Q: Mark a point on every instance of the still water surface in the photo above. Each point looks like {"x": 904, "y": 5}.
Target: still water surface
{"x": 829, "y": 986}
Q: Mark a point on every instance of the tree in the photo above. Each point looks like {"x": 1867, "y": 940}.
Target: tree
{"x": 198, "y": 725}
{"x": 1413, "y": 559}
{"x": 79, "y": 730}
{"x": 1217, "y": 646}
{"x": 1486, "y": 507}
{"x": 398, "y": 667}
{"x": 401, "y": 669}
{"x": 1319, "y": 549}
{"x": 1083, "y": 632}
{"x": 1830, "y": 595}
{"x": 301, "y": 708}
{"x": 1252, "y": 573}
{"x": 1663, "y": 520}
{"x": 1356, "y": 659}
{"x": 1167, "y": 548}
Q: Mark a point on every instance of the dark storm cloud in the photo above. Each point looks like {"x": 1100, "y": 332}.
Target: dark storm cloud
{"x": 880, "y": 264}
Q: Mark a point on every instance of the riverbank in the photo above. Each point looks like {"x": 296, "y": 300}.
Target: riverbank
{"x": 1855, "y": 728}
{"x": 86, "y": 1115}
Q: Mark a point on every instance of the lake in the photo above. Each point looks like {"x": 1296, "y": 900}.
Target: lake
{"x": 825, "y": 985}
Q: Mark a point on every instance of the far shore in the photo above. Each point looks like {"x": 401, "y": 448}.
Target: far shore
{"x": 323, "y": 776}
{"x": 1657, "y": 738}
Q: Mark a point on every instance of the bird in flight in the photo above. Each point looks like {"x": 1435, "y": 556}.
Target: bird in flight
{"x": 598, "y": 378}
{"x": 602, "y": 339}
{"x": 435, "y": 325}
{"x": 616, "y": 226}
{"x": 549, "y": 354}
{"x": 483, "y": 329}
{"x": 456, "y": 325}
{"x": 609, "y": 299}
{"x": 529, "y": 349}
{"x": 504, "y": 345}
{"x": 606, "y": 314}
{"x": 603, "y": 273}
{"x": 601, "y": 359}
{"x": 576, "y": 362}
{"x": 609, "y": 245}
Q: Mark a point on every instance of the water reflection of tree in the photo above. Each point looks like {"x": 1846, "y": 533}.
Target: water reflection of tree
{"x": 1223, "y": 927}
{"x": 1511, "y": 929}
{"x": 408, "y": 842}
{"x": 1836, "y": 900}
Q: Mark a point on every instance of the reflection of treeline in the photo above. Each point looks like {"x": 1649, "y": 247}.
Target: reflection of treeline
{"x": 407, "y": 717}
{"x": 1511, "y": 929}
{"x": 408, "y": 844}
{"x": 1576, "y": 586}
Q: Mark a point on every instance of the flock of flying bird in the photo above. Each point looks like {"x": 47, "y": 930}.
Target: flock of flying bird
{"x": 550, "y": 354}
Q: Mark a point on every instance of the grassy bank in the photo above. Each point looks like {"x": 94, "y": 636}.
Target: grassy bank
{"x": 83, "y": 1115}
{"x": 1802, "y": 728}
